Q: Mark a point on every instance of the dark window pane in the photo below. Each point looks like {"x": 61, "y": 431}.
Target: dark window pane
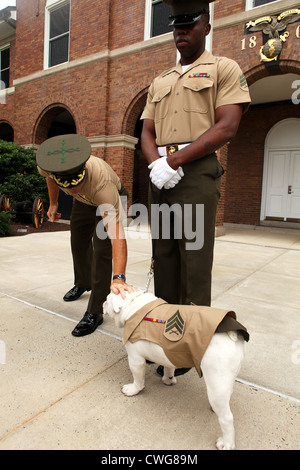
{"x": 59, "y": 51}
{"x": 4, "y": 78}
{"x": 160, "y": 19}
{"x": 59, "y": 21}
{"x": 5, "y": 59}
{"x": 258, "y": 3}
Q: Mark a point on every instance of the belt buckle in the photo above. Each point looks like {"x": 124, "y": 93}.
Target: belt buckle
{"x": 171, "y": 149}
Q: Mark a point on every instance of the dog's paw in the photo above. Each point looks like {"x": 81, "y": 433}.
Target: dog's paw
{"x": 131, "y": 389}
{"x": 169, "y": 380}
{"x": 221, "y": 446}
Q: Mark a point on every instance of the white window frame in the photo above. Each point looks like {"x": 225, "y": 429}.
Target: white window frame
{"x": 147, "y": 27}
{"x": 52, "y": 5}
{"x": 3, "y": 48}
{"x": 148, "y": 21}
{"x": 249, "y": 4}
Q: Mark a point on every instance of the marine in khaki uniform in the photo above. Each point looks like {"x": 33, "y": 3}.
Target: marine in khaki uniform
{"x": 192, "y": 110}
{"x": 96, "y": 221}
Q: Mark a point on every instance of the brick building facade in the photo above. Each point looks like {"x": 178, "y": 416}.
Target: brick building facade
{"x": 85, "y": 67}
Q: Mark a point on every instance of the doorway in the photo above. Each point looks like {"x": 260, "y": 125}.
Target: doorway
{"x": 57, "y": 120}
{"x": 281, "y": 181}
{"x": 6, "y": 132}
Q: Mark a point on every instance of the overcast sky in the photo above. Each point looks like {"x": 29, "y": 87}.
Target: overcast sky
{"x": 7, "y": 3}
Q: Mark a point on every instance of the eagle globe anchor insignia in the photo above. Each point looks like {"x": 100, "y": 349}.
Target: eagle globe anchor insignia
{"x": 273, "y": 25}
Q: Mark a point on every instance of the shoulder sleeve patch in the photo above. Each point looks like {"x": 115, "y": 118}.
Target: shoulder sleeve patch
{"x": 243, "y": 82}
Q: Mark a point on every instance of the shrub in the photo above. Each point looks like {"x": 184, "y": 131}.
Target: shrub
{"x": 19, "y": 178}
{"x": 5, "y": 220}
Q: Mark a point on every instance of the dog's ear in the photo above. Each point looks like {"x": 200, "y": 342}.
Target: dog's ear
{"x": 117, "y": 303}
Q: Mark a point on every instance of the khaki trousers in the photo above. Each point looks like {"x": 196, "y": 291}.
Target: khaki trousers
{"x": 183, "y": 275}
{"x": 92, "y": 257}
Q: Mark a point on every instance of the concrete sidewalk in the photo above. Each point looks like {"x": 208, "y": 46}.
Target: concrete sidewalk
{"x": 61, "y": 392}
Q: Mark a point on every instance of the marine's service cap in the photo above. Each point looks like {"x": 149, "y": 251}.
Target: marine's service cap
{"x": 185, "y": 12}
{"x": 64, "y": 157}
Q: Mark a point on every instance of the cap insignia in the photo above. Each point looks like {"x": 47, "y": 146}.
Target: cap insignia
{"x": 63, "y": 151}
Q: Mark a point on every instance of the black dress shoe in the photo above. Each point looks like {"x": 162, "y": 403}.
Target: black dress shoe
{"x": 74, "y": 293}
{"x": 87, "y": 324}
{"x": 179, "y": 371}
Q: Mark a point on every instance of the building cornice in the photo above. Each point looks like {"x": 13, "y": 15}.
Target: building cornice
{"x": 105, "y": 141}
{"x": 8, "y": 21}
{"x": 108, "y": 141}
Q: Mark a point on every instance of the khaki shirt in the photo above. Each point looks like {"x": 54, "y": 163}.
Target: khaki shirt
{"x": 101, "y": 188}
{"x": 183, "y": 105}
{"x": 183, "y": 331}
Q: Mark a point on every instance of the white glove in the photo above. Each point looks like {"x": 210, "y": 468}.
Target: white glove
{"x": 175, "y": 179}
{"x": 161, "y": 172}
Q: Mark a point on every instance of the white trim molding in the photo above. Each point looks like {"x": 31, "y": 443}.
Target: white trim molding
{"x": 108, "y": 141}
{"x": 104, "y": 141}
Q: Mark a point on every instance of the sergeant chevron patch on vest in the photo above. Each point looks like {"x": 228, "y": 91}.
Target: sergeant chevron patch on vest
{"x": 174, "y": 328}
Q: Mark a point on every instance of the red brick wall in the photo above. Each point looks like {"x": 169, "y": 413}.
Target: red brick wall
{"x": 89, "y": 27}
{"x": 129, "y": 76}
{"x": 81, "y": 90}
{"x": 222, "y": 8}
{"x": 97, "y": 94}
{"x": 126, "y": 22}
{"x": 106, "y": 97}
{"x": 29, "y": 37}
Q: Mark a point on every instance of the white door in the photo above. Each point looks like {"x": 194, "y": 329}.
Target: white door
{"x": 293, "y": 201}
{"x": 283, "y": 185}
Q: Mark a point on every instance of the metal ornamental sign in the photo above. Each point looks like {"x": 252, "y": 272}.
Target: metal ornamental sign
{"x": 273, "y": 26}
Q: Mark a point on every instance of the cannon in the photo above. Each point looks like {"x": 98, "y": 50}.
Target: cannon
{"x": 24, "y": 209}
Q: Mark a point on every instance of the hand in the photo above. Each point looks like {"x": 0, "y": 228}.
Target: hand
{"x": 52, "y": 213}
{"x": 175, "y": 179}
{"x": 120, "y": 287}
{"x": 161, "y": 172}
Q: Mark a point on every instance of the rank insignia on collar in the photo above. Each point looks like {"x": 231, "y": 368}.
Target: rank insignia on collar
{"x": 199, "y": 75}
{"x": 174, "y": 327}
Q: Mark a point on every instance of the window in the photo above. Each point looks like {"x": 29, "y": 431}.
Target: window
{"x": 160, "y": 18}
{"x": 257, "y": 3}
{"x": 57, "y": 34}
{"x": 157, "y": 18}
{"x": 4, "y": 68}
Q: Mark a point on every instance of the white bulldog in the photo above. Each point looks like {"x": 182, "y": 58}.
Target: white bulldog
{"x": 220, "y": 363}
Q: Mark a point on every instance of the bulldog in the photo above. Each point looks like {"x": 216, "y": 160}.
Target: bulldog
{"x": 174, "y": 336}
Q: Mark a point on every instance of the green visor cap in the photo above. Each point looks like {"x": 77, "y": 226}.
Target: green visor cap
{"x": 63, "y": 155}
{"x": 187, "y": 12}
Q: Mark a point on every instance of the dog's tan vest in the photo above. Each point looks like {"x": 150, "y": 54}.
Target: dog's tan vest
{"x": 183, "y": 331}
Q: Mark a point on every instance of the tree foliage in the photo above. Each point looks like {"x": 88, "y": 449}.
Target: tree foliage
{"x": 19, "y": 178}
